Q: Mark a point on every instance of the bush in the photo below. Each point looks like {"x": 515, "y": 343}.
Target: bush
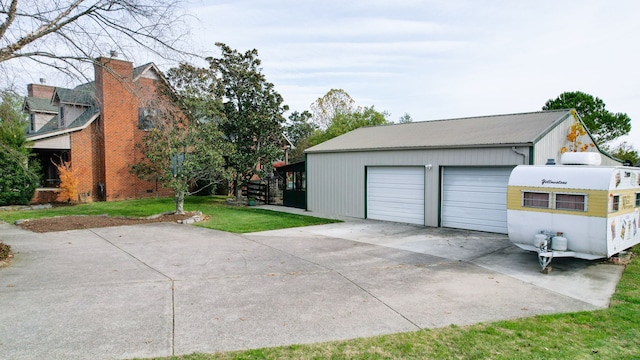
{"x": 68, "y": 181}
{"x": 5, "y": 251}
{"x": 18, "y": 181}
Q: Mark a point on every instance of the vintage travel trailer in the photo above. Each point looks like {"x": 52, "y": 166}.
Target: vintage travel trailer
{"x": 575, "y": 209}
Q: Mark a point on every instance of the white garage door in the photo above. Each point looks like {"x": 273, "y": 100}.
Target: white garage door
{"x": 396, "y": 194}
{"x": 475, "y": 198}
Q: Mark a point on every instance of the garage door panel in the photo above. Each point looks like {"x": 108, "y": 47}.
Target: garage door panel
{"x": 488, "y": 215}
{"x": 479, "y": 196}
{"x": 396, "y": 194}
{"x": 494, "y": 227}
{"x": 375, "y": 207}
{"x": 462, "y": 205}
{"x": 383, "y": 190}
{"x": 475, "y": 198}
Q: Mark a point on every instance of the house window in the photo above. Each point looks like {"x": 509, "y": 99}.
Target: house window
{"x": 535, "y": 199}
{"x": 571, "y": 202}
{"x": 145, "y": 118}
{"x": 615, "y": 203}
{"x": 32, "y": 122}
{"x": 62, "y": 124}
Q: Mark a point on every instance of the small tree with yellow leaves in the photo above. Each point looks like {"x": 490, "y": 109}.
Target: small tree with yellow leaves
{"x": 68, "y": 181}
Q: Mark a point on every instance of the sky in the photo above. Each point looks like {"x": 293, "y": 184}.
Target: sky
{"x": 435, "y": 59}
{"x": 431, "y": 59}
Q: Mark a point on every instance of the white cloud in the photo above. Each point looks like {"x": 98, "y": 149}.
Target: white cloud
{"x": 436, "y": 59}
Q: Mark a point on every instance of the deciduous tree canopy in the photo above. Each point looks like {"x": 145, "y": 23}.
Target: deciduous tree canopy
{"x": 342, "y": 123}
{"x": 601, "y": 123}
{"x": 63, "y": 34}
{"x": 333, "y": 103}
{"x": 183, "y": 150}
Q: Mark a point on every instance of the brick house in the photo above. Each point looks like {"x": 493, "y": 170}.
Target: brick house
{"x": 96, "y": 127}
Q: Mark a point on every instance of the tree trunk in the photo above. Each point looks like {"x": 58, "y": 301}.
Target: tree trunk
{"x": 179, "y": 196}
{"x": 238, "y": 189}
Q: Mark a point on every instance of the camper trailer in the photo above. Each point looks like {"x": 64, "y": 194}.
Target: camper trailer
{"x": 575, "y": 209}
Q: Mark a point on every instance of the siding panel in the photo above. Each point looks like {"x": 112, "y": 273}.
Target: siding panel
{"x": 336, "y": 181}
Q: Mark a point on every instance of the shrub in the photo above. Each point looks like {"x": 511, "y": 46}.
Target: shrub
{"x": 18, "y": 181}
{"x": 68, "y": 181}
{"x": 5, "y": 251}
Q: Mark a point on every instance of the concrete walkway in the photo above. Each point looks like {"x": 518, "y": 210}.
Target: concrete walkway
{"x": 162, "y": 289}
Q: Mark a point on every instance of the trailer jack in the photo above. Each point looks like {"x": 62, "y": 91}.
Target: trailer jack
{"x": 544, "y": 257}
{"x": 545, "y": 252}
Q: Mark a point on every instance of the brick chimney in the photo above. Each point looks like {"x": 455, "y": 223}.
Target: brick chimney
{"x": 119, "y": 120}
{"x": 40, "y": 91}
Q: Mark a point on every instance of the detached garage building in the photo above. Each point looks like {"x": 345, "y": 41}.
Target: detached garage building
{"x": 449, "y": 173}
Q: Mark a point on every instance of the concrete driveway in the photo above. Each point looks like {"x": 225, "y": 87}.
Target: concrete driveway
{"x": 164, "y": 289}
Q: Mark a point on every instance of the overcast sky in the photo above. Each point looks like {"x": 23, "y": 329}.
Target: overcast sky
{"x": 436, "y": 59}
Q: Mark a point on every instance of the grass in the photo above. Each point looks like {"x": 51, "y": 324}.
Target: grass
{"x": 237, "y": 219}
{"x": 612, "y": 333}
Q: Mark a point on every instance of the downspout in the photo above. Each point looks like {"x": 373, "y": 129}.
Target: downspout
{"x": 524, "y": 156}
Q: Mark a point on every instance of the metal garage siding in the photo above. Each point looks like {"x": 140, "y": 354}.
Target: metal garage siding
{"x": 396, "y": 194}
{"x": 336, "y": 181}
{"x": 475, "y": 198}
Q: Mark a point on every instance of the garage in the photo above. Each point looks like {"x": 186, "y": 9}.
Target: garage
{"x": 396, "y": 194}
{"x": 475, "y": 198}
{"x": 451, "y": 172}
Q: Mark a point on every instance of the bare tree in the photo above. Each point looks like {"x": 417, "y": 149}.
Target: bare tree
{"x": 334, "y": 102}
{"x": 64, "y": 34}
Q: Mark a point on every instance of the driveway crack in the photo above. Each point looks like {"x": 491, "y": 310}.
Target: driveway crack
{"x": 341, "y": 275}
{"x": 378, "y": 299}
{"x": 173, "y": 303}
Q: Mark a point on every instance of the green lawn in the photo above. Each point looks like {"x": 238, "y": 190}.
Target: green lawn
{"x": 237, "y": 219}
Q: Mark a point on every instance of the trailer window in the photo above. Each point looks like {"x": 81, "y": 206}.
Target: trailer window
{"x": 535, "y": 199}
{"x": 615, "y": 203}
{"x": 637, "y": 199}
{"x": 571, "y": 202}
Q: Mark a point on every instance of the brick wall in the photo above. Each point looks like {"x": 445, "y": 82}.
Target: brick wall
{"x": 119, "y": 101}
{"x": 147, "y": 98}
{"x": 40, "y": 91}
{"x": 46, "y": 196}
{"x": 105, "y": 150}
{"x": 118, "y": 115}
{"x": 85, "y": 160}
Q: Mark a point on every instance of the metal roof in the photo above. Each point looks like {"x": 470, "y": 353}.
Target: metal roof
{"x": 510, "y": 129}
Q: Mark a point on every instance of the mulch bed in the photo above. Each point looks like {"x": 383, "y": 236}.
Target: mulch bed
{"x": 62, "y": 223}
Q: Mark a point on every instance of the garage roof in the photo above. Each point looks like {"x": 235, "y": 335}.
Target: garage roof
{"x": 505, "y": 130}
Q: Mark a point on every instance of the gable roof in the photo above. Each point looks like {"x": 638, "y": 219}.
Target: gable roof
{"x": 39, "y": 105}
{"x": 81, "y": 95}
{"x": 140, "y": 70}
{"x": 502, "y": 130}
